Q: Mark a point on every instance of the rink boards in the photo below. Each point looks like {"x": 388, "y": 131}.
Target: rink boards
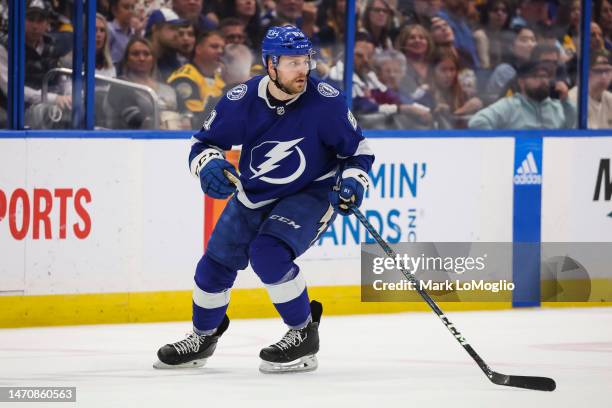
{"x": 109, "y": 230}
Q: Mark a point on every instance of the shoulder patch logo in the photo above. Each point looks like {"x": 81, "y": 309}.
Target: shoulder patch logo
{"x": 327, "y": 90}
{"x": 209, "y": 120}
{"x": 237, "y": 92}
{"x": 352, "y": 119}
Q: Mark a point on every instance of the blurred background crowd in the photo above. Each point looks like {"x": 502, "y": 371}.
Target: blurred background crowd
{"x": 418, "y": 64}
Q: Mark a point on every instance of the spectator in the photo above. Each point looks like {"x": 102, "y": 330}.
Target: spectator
{"x": 191, "y": 10}
{"x": 501, "y": 80}
{"x": 444, "y": 39}
{"x": 120, "y": 29}
{"x": 568, "y": 20}
{"x": 331, "y": 23}
{"x": 196, "y": 82}
{"x": 237, "y": 68}
{"x": 423, "y": 11}
{"x": 550, "y": 57}
{"x": 597, "y": 38}
{"x": 494, "y": 34}
{"x": 294, "y": 12}
{"x": 103, "y": 7}
{"x": 531, "y": 108}
{"x": 162, "y": 32}
{"x": 603, "y": 17}
{"x": 451, "y": 103}
{"x": 378, "y": 22}
{"x": 390, "y": 67}
{"x": 417, "y": 46}
{"x": 133, "y": 109}
{"x": 364, "y": 78}
{"x": 455, "y": 14}
{"x": 104, "y": 61}
{"x": 600, "y": 99}
{"x": 232, "y": 30}
{"x": 531, "y": 13}
{"x": 248, "y": 12}
{"x": 42, "y": 55}
{"x": 186, "y": 43}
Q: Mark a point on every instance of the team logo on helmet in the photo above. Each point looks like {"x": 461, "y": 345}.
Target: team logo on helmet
{"x": 237, "y": 92}
{"x": 272, "y": 33}
{"x": 327, "y": 90}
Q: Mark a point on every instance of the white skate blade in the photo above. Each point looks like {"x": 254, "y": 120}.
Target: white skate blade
{"x": 304, "y": 364}
{"x": 192, "y": 364}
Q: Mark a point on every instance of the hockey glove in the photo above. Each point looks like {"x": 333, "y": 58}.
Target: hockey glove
{"x": 353, "y": 185}
{"x": 213, "y": 180}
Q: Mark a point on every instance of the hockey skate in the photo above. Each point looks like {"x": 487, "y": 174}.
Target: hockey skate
{"x": 191, "y": 352}
{"x": 296, "y": 351}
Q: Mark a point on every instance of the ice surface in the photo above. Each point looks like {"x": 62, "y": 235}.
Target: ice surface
{"x": 407, "y": 360}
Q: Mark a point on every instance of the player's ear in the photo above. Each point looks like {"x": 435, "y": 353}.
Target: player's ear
{"x": 271, "y": 69}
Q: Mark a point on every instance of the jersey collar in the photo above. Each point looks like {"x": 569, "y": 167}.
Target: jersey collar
{"x": 263, "y": 86}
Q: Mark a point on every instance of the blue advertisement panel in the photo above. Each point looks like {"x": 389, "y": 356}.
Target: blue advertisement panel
{"x": 526, "y": 221}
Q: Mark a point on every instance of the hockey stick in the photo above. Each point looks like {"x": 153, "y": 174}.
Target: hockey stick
{"x": 532, "y": 383}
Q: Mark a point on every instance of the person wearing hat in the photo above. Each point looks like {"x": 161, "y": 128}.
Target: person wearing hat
{"x": 162, "y": 30}
{"x": 531, "y": 108}
{"x": 600, "y": 99}
{"x": 41, "y": 55}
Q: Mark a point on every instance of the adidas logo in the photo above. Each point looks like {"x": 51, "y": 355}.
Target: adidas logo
{"x": 528, "y": 173}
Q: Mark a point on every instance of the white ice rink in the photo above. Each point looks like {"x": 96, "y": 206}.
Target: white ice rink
{"x": 400, "y": 360}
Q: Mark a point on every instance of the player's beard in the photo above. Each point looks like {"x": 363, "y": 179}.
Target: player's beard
{"x": 294, "y": 86}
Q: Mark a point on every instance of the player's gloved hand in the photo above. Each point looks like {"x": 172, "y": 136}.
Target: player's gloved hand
{"x": 213, "y": 180}
{"x": 352, "y": 187}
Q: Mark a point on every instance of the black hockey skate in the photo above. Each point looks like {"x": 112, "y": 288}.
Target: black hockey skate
{"x": 191, "y": 352}
{"x": 296, "y": 351}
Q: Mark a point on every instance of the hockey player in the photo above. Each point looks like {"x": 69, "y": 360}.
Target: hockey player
{"x": 299, "y": 140}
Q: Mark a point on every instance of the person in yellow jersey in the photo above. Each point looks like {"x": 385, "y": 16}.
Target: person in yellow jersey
{"x": 200, "y": 79}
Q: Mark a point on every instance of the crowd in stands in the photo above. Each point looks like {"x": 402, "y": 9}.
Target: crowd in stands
{"x": 418, "y": 64}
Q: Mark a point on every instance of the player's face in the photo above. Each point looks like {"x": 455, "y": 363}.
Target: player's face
{"x": 292, "y": 72}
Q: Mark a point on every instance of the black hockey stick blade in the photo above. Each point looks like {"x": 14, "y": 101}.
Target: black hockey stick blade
{"x": 520, "y": 381}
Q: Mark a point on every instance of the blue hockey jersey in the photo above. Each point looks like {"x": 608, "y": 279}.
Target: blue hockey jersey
{"x": 284, "y": 148}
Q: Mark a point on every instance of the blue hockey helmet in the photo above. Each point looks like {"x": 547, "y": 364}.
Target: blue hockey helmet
{"x": 285, "y": 40}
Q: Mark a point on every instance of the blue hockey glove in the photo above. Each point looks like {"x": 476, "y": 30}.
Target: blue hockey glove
{"x": 214, "y": 182}
{"x": 353, "y": 185}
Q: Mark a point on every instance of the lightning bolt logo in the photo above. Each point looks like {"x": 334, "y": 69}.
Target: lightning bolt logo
{"x": 280, "y": 151}
{"x": 323, "y": 223}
